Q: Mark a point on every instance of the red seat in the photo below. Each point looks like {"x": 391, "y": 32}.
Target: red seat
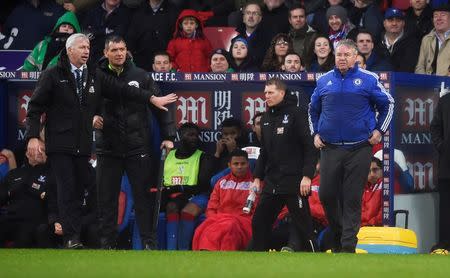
{"x": 401, "y": 4}
{"x": 220, "y": 37}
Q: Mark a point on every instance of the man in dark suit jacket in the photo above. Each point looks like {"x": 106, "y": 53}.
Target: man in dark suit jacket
{"x": 69, "y": 94}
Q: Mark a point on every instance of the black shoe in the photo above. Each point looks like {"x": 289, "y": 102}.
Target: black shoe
{"x": 347, "y": 249}
{"x": 73, "y": 244}
{"x": 107, "y": 245}
{"x": 150, "y": 245}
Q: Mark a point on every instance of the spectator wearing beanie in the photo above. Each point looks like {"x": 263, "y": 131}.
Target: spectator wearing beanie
{"x": 220, "y": 61}
{"x": 339, "y": 25}
{"x": 320, "y": 21}
{"x": 241, "y": 60}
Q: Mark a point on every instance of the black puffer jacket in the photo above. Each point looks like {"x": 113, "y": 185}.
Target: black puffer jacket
{"x": 287, "y": 150}
{"x": 126, "y": 123}
{"x": 68, "y": 126}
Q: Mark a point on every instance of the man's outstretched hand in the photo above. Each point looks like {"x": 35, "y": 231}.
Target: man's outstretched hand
{"x": 161, "y": 102}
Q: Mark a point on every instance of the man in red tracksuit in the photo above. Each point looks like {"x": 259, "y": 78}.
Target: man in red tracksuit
{"x": 372, "y": 196}
{"x": 226, "y": 227}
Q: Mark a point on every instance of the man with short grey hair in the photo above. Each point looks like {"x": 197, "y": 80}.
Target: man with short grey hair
{"x": 69, "y": 94}
{"x": 345, "y": 126}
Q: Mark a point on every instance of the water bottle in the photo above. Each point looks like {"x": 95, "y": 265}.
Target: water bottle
{"x": 249, "y": 202}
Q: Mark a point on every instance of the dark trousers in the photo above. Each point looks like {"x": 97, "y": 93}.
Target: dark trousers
{"x": 444, "y": 211}
{"x": 20, "y": 232}
{"x": 72, "y": 176}
{"x": 46, "y": 237}
{"x": 267, "y": 212}
{"x": 109, "y": 175}
{"x": 343, "y": 174}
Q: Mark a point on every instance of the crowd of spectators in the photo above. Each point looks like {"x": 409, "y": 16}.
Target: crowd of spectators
{"x": 400, "y": 40}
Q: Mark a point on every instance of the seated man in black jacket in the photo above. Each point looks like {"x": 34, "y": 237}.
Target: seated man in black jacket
{"x": 23, "y": 195}
{"x": 187, "y": 171}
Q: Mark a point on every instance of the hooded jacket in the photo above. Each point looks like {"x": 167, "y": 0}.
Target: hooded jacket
{"x": 287, "y": 151}
{"x": 126, "y": 122}
{"x": 189, "y": 54}
{"x": 35, "y": 61}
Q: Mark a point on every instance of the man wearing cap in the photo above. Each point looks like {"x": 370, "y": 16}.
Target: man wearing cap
{"x": 434, "y": 57}
{"x": 220, "y": 61}
{"x": 402, "y": 48}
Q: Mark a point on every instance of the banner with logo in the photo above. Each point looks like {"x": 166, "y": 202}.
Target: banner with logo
{"x": 205, "y": 99}
{"x": 416, "y": 98}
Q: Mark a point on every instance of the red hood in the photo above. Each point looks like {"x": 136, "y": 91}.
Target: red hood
{"x": 183, "y": 14}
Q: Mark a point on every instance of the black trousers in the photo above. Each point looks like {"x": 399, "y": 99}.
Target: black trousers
{"x": 267, "y": 212}
{"x": 343, "y": 174}
{"x": 20, "y": 232}
{"x": 46, "y": 237}
{"x": 444, "y": 211}
{"x": 72, "y": 176}
{"x": 109, "y": 175}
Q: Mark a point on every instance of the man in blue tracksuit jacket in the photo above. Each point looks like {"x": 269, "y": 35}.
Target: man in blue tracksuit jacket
{"x": 344, "y": 123}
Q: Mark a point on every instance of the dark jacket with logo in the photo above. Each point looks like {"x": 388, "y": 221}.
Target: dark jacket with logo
{"x": 287, "y": 151}
{"x": 126, "y": 123}
{"x": 440, "y": 134}
{"x": 68, "y": 124}
{"x": 21, "y": 192}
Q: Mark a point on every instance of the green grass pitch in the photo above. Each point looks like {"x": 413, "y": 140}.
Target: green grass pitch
{"x": 95, "y": 263}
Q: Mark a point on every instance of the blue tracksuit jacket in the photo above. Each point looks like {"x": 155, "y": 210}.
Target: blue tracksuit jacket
{"x": 343, "y": 108}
